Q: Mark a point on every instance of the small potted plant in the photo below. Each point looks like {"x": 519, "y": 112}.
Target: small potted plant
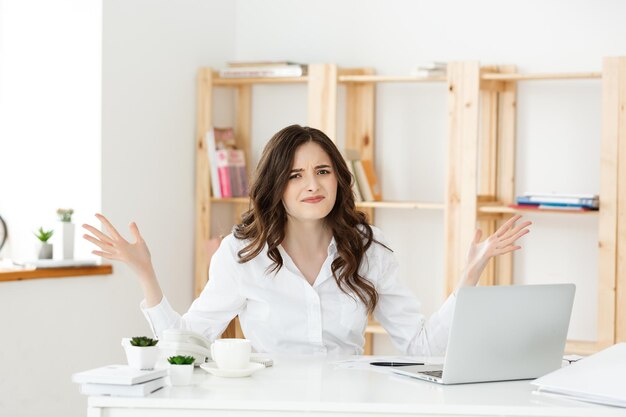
{"x": 181, "y": 369}
{"x": 66, "y": 232}
{"x": 141, "y": 352}
{"x": 45, "y": 252}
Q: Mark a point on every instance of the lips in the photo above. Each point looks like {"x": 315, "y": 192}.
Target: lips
{"x": 315, "y": 199}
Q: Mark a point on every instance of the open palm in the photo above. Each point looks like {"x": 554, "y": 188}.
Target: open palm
{"x": 501, "y": 242}
{"x": 113, "y": 246}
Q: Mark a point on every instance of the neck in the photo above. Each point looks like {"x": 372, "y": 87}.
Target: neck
{"x": 310, "y": 236}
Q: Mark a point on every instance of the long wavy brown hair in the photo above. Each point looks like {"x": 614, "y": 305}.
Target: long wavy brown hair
{"x": 265, "y": 222}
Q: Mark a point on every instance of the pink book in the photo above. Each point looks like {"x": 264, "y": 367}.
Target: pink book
{"x": 223, "y": 172}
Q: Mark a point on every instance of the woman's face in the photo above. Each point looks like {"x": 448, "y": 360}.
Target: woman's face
{"x": 312, "y": 185}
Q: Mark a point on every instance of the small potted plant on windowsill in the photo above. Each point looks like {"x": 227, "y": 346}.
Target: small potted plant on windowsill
{"x": 45, "y": 251}
{"x": 181, "y": 369}
{"x": 141, "y": 352}
{"x": 66, "y": 232}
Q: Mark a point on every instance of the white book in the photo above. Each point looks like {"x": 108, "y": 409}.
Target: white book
{"x": 364, "y": 185}
{"x": 561, "y": 195}
{"x": 432, "y": 65}
{"x": 263, "y": 71}
{"x": 355, "y": 187}
{"x": 599, "y": 378}
{"x": 211, "y": 149}
{"x": 136, "y": 390}
{"x": 117, "y": 375}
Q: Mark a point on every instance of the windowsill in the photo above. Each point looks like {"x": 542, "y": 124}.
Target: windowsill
{"x": 18, "y": 275}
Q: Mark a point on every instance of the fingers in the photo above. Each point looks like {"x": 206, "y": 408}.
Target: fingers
{"x": 114, "y": 233}
{"x": 477, "y": 236}
{"x": 98, "y": 234}
{"x": 507, "y": 225}
{"x": 508, "y": 249}
{"x": 509, "y": 240}
{"x": 105, "y": 255}
{"x": 135, "y": 231}
{"x": 99, "y": 243}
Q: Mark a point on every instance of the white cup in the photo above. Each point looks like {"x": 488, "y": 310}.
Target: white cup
{"x": 231, "y": 353}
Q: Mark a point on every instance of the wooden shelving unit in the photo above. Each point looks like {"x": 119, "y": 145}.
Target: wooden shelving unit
{"x": 481, "y": 125}
{"x": 495, "y": 146}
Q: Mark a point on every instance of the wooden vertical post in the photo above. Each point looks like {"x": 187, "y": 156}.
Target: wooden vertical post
{"x": 322, "y": 98}
{"x": 203, "y": 204}
{"x": 612, "y": 216}
{"x": 488, "y": 167}
{"x": 505, "y": 185}
{"x": 462, "y": 187}
{"x": 620, "y": 301}
{"x": 360, "y": 121}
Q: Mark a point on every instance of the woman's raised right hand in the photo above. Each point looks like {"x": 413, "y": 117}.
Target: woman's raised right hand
{"x": 113, "y": 246}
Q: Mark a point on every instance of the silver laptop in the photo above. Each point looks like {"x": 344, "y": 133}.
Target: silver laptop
{"x": 503, "y": 333}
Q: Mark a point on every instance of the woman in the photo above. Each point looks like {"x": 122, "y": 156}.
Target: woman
{"x": 304, "y": 269}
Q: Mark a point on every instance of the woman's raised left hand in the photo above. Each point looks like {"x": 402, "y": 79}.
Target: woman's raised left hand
{"x": 501, "y": 242}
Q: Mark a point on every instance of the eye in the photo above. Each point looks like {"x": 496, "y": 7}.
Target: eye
{"x": 293, "y": 176}
{"x": 324, "y": 171}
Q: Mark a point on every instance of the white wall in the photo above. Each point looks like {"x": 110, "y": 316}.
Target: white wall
{"x": 151, "y": 50}
{"x": 558, "y": 122}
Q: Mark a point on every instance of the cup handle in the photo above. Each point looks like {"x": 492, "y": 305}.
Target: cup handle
{"x": 212, "y": 352}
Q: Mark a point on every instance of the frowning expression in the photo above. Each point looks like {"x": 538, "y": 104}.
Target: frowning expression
{"x": 311, "y": 189}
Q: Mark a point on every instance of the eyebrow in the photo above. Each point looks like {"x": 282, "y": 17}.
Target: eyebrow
{"x": 317, "y": 167}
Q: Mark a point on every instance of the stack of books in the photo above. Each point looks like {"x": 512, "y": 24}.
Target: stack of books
{"x": 254, "y": 69}
{"x": 366, "y": 186}
{"x": 120, "y": 380}
{"x": 430, "y": 69}
{"x": 229, "y": 176}
{"x": 556, "y": 201}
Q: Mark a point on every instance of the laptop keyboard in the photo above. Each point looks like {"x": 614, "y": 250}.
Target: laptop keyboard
{"x": 436, "y": 374}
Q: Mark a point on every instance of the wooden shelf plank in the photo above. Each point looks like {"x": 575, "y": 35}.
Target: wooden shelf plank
{"x": 235, "y": 200}
{"x": 401, "y": 205}
{"x": 511, "y": 210}
{"x": 541, "y": 76}
{"x": 217, "y": 80}
{"x": 363, "y": 204}
{"x": 388, "y": 79}
{"x": 18, "y": 275}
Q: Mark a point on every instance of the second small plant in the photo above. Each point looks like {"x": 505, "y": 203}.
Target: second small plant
{"x": 181, "y": 360}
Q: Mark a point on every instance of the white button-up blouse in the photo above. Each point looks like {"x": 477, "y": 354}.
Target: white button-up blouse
{"x": 282, "y": 313}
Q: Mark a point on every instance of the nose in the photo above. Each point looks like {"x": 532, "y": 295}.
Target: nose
{"x": 312, "y": 184}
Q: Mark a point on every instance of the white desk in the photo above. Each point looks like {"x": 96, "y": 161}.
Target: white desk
{"x": 315, "y": 387}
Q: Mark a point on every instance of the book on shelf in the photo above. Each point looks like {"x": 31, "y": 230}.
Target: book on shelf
{"x": 218, "y": 138}
{"x": 429, "y": 69}
{"x": 590, "y": 201}
{"x": 232, "y": 173}
{"x": 117, "y": 375}
{"x": 142, "y": 389}
{"x": 367, "y": 180}
{"x": 264, "y": 71}
{"x": 355, "y": 186}
{"x": 550, "y": 207}
{"x": 238, "y": 64}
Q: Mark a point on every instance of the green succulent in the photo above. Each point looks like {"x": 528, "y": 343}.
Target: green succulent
{"x": 44, "y": 235}
{"x": 143, "y": 341}
{"x": 181, "y": 360}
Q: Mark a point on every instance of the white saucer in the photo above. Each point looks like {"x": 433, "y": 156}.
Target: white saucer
{"x": 211, "y": 367}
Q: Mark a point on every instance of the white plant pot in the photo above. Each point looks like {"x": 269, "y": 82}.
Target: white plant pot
{"x": 45, "y": 251}
{"x": 66, "y": 231}
{"x": 141, "y": 357}
{"x": 181, "y": 374}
